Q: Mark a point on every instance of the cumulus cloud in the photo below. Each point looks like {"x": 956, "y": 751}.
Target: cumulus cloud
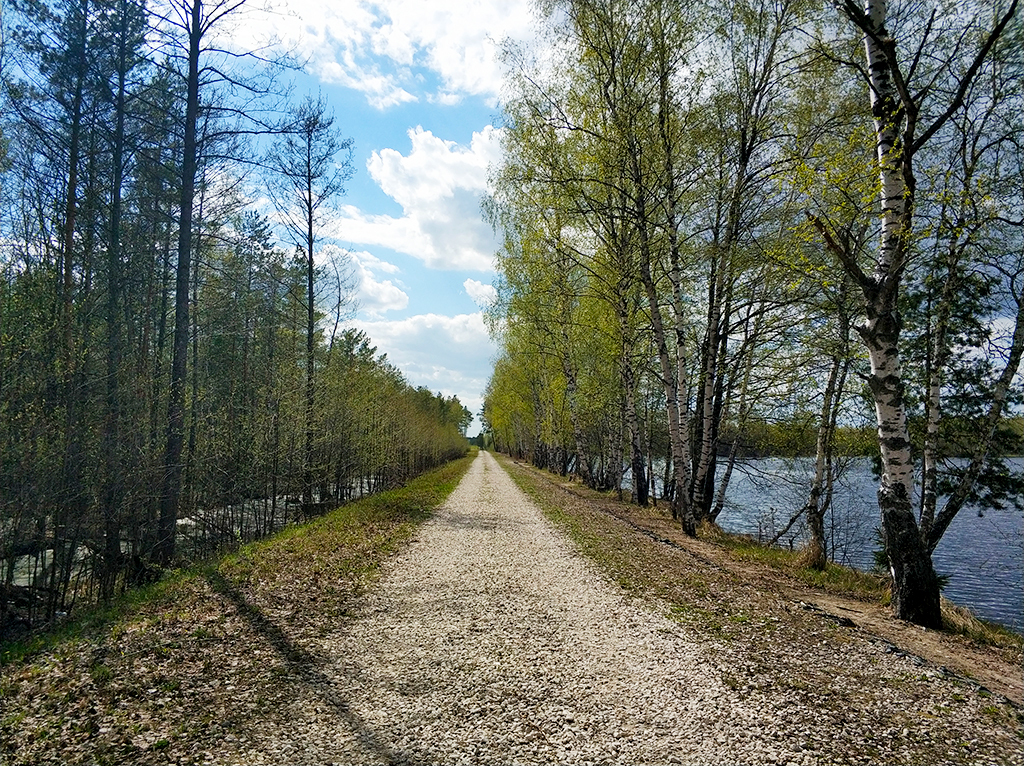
{"x": 434, "y": 167}
{"x": 457, "y": 40}
{"x": 439, "y": 185}
{"x": 376, "y": 296}
{"x": 447, "y": 99}
{"x": 381, "y": 90}
{"x": 461, "y": 340}
{"x": 482, "y": 295}
{"x": 401, "y": 234}
{"x": 450, "y": 354}
{"x": 370, "y": 261}
{"x": 382, "y": 47}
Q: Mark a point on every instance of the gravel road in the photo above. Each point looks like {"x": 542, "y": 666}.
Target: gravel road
{"x": 490, "y": 640}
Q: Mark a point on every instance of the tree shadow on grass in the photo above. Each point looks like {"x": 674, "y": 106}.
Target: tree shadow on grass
{"x": 304, "y": 664}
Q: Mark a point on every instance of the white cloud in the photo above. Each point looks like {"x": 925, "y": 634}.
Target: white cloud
{"x": 434, "y": 167}
{"x": 333, "y": 41}
{"x": 482, "y": 295}
{"x": 376, "y": 297}
{"x": 417, "y": 343}
{"x": 422, "y": 339}
{"x": 381, "y": 48}
{"x": 381, "y": 90}
{"x": 447, "y": 99}
{"x": 401, "y": 234}
{"x": 459, "y": 40}
{"x": 370, "y": 261}
{"x": 439, "y": 185}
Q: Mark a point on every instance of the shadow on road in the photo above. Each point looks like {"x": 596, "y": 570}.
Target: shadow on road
{"x": 303, "y": 664}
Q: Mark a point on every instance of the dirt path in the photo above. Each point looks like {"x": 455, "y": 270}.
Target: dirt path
{"x": 491, "y": 640}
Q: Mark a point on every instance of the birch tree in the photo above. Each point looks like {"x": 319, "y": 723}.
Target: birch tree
{"x": 637, "y": 53}
{"x": 560, "y": 170}
{"x": 911, "y": 102}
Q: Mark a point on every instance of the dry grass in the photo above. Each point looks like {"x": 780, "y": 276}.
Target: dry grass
{"x": 962, "y": 621}
{"x": 166, "y": 671}
{"x": 864, "y": 586}
{"x": 834, "y": 578}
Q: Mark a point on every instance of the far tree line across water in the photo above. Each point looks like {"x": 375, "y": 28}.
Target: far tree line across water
{"x": 756, "y": 226}
{"x": 797, "y": 437}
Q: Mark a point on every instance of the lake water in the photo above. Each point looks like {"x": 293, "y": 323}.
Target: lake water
{"x": 982, "y": 555}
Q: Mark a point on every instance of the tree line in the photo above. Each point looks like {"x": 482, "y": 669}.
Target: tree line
{"x": 721, "y": 218}
{"x": 171, "y": 379}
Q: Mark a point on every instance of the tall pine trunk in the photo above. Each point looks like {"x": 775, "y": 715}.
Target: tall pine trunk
{"x": 171, "y": 489}
{"x": 113, "y": 482}
{"x": 310, "y": 411}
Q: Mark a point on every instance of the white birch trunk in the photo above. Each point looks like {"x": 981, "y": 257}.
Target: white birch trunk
{"x": 681, "y": 508}
{"x": 679, "y": 431}
{"x": 915, "y": 592}
{"x": 636, "y": 456}
{"x": 723, "y": 252}
{"x": 881, "y": 331}
{"x": 673, "y": 373}
{"x": 707, "y": 389}
{"x": 670, "y": 380}
{"x": 816, "y": 555}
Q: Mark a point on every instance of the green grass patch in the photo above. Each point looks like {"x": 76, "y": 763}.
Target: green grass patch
{"x": 853, "y": 583}
{"x": 833, "y": 578}
{"x": 98, "y": 617}
{"x": 696, "y": 617}
{"x": 347, "y": 544}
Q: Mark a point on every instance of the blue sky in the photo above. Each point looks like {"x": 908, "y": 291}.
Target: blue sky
{"x": 416, "y": 84}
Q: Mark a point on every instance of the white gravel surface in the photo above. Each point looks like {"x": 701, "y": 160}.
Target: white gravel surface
{"x": 490, "y": 640}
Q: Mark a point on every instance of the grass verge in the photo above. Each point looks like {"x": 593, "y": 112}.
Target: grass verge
{"x": 963, "y": 622}
{"x": 343, "y": 546}
{"x": 348, "y": 544}
{"x": 864, "y": 586}
{"x": 834, "y": 579}
{"x": 694, "y": 593}
{"x": 204, "y": 658}
{"x": 762, "y": 628}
